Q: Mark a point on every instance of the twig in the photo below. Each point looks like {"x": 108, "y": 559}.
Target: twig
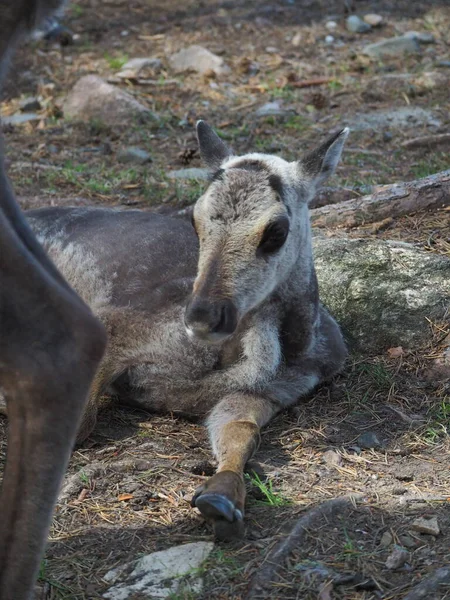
{"x": 281, "y": 551}
{"x": 427, "y": 140}
{"x": 310, "y": 82}
{"x": 430, "y": 584}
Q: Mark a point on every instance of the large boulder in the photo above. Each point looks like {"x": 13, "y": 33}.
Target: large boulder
{"x": 382, "y": 292}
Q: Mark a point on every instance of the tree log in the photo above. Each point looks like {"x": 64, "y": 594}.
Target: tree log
{"x": 395, "y": 200}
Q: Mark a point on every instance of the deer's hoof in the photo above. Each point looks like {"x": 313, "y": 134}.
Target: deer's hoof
{"x": 221, "y": 501}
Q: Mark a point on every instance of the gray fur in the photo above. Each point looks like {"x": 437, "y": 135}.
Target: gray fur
{"x": 138, "y": 270}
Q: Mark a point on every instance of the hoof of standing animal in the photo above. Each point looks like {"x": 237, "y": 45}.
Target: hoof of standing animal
{"x": 221, "y": 501}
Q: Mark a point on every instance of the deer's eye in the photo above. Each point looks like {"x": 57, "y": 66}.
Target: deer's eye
{"x": 274, "y": 236}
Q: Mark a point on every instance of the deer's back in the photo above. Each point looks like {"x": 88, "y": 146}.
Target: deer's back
{"x": 134, "y": 259}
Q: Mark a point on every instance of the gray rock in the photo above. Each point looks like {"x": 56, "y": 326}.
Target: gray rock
{"x": 406, "y": 117}
{"x": 331, "y": 25}
{"x": 30, "y": 105}
{"x": 386, "y": 539}
{"x": 368, "y": 440}
{"x": 373, "y": 19}
{"x": 198, "y": 59}
{"x": 408, "y": 541}
{"x": 443, "y": 64}
{"x": 332, "y": 458}
{"x": 357, "y": 25}
{"x": 162, "y": 574}
{"x": 397, "y": 558}
{"x": 133, "y": 155}
{"x": 272, "y": 109}
{"x": 133, "y": 67}
{"x": 422, "y": 37}
{"x": 20, "y": 118}
{"x": 93, "y": 98}
{"x": 381, "y": 292}
{"x": 427, "y": 525}
{"x": 396, "y": 46}
{"x": 193, "y": 173}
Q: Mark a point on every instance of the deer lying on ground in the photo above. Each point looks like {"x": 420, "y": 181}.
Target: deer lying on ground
{"x": 50, "y": 347}
{"x": 221, "y": 319}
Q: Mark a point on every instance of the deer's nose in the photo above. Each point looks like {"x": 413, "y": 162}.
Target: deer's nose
{"x": 210, "y": 320}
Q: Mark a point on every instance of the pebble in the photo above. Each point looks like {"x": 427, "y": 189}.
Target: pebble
{"x": 329, "y": 39}
{"x": 297, "y": 39}
{"x": 357, "y": 25}
{"x": 369, "y": 440}
{"x": 30, "y": 105}
{"x": 331, "y": 25}
{"x": 428, "y": 525}
{"x": 332, "y": 458}
{"x": 272, "y": 109}
{"x": 443, "y": 64}
{"x": 373, "y": 19}
{"x": 133, "y": 155}
{"x": 397, "y": 558}
{"x": 386, "y": 539}
{"x": 407, "y": 541}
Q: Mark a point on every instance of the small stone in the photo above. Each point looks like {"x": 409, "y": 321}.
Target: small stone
{"x": 20, "y": 119}
{"x": 133, "y": 155}
{"x": 407, "y": 541}
{"x": 357, "y": 25}
{"x": 397, "y": 558}
{"x": 398, "y": 490}
{"x": 387, "y": 136}
{"x": 199, "y": 59}
{"x": 193, "y": 173}
{"x": 133, "y": 67}
{"x": 369, "y": 440}
{"x": 169, "y": 573}
{"x": 386, "y": 539}
{"x": 30, "y": 105}
{"x": 443, "y": 64}
{"x": 396, "y": 46}
{"x": 329, "y": 39}
{"x": 271, "y": 50}
{"x": 331, "y": 25}
{"x": 272, "y": 109}
{"x": 373, "y": 19}
{"x": 428, "y": 525}
{"x": 421, "y": 36}
{"x": 332, "y": 458}
{"x": 297, "y": 39}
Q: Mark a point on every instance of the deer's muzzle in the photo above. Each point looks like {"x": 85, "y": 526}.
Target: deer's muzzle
{"x": 210, "y": 320}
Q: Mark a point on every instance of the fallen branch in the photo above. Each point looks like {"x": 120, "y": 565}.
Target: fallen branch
{"x": 428, "y": 141}
{"x": 277, "y": 556}
{"x": 310, "y": 82}
{"x": 431, "y": 584}
{"x": 396, "y": 200}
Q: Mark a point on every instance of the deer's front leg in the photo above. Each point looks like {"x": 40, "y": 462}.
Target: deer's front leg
{"x": 234, "y": 427}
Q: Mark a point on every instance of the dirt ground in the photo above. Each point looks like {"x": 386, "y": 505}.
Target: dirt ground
{"x": 129, "y": 487}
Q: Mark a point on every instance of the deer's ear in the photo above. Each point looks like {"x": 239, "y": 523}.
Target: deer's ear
{"x": 321, "y": 163}
{"x": 212, "y": 150}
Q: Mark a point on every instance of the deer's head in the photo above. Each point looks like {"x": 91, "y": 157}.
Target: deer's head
{"x": 253, "y": 227}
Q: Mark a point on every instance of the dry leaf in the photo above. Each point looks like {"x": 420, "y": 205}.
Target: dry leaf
{"x": 395, "y": 352}
{"x": 125, "y": 497}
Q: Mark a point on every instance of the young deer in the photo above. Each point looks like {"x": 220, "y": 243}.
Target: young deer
{"x": 221, "y": 319}
{"x": 50, "y": 346}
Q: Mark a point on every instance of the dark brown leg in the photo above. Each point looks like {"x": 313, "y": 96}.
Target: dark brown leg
{"x": 50, "y": 346}
{"x": 234, "y": 427}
